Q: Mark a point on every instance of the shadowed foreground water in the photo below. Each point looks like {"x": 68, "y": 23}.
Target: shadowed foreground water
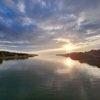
{"x": 48, "y": 78}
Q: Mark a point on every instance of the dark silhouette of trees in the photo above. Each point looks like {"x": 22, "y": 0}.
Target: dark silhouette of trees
{"x": 93, "y": 54}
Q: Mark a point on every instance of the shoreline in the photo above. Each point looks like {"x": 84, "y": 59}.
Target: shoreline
{"x": 14, "y": 57}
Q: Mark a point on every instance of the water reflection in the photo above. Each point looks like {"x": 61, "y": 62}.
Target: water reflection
{"x": 1, "y": 61}
{"x": 49, "y": 78}
{"x": 68, "y": 62}
{"x": 7, "y": 59}
{"x": 94, "y": 63}
{"x": 68, "y": 65}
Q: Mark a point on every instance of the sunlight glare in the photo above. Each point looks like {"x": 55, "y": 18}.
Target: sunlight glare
{"x": 68, "y": 47}
{"x": 68, "y": 62}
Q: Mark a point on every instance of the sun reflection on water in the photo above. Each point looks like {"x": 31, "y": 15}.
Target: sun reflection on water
{"x": 68, "y": 62}
{"x": 67, "y": 68}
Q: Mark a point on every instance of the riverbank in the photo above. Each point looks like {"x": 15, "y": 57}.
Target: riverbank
{"x": 13, "y": 55}
{"x": 8, "y": 57}
{"x": 91, "y": 55}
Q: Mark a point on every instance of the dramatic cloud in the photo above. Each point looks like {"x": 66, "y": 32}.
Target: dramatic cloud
{"x": 48, "y": 24}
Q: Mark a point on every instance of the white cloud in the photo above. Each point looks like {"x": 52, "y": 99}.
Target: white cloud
{"x": 21, "y": 7}
{"x": 95, "y": 37}
{"x": 79, "y": 21}
{"x": 62, "y": 40}
{"x": 42, "y": 2}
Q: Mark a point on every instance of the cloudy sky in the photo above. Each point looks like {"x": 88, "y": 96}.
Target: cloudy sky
{"x": 49, "y": 25}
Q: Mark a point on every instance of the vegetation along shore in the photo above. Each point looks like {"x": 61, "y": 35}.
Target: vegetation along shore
{"x": 6, "y": 54}
{"x": 93, "y": 54}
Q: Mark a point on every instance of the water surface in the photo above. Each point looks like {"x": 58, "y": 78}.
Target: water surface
{"x": 48, "y": 78}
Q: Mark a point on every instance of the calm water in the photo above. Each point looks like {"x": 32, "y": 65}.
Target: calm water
{"x": 49, "y": 78}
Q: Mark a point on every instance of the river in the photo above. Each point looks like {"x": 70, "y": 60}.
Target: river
{"x": 49, "y": 78}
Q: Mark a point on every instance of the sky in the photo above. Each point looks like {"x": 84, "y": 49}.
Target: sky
{"x": 49, "y": 25}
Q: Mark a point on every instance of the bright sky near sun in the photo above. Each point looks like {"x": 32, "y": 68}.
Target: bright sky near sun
{"x": 49, "y": 25}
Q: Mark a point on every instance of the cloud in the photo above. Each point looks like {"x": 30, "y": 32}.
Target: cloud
{"x": 21, "y": 7}
{"x": 47, "y": 24}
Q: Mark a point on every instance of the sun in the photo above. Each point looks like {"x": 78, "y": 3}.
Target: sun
{"x": 68, "y": 47}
